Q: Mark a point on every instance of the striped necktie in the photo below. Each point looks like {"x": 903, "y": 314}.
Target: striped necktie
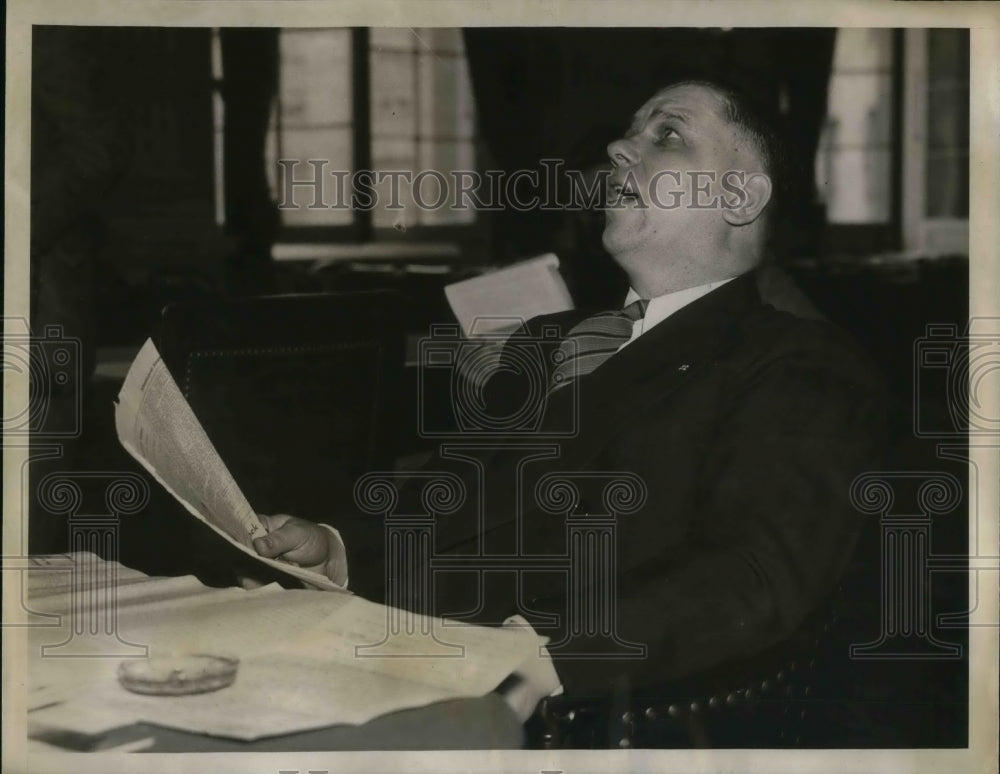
{"x": 593, "y": 341}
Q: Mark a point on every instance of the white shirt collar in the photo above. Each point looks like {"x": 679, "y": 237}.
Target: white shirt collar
{"x": 661, "y": 307}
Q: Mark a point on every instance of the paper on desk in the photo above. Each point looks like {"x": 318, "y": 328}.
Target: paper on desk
{"x": 272, "y": 696}
{"x": 338, "y": 629}
{"x": 461, "y": 659}
{"x": 489, "y": 303}
{"x": 156, "y": 425}
{"x": 307, "y": 660}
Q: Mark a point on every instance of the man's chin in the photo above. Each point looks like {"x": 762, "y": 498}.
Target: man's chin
{"x": 616, "y": 239}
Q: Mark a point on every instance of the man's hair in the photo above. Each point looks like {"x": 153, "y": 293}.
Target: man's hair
{"x": 755, "y": 123}
{"x": 761, "y": 128}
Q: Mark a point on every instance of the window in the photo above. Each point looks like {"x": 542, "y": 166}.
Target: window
{"x": 313, "y": 118}
{"x": 854, "y": 166}
{"x": 893, "y": 161}
{"x": 422, "y": 115}
{"x": 936, "y": 141}
{"x": 396, "y": 101}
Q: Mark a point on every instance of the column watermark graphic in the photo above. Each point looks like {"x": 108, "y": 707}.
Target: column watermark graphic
{"x": 955, "y": 373}
{"x": 409, "y": 548}
{"x": 94, "y": 548}
{"x": 587, "y": 566}
{"x": 592, "y": 540}
{"x": 907, "y": 562}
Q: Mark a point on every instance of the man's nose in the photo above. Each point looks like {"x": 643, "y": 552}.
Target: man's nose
{"x": 622, "y": 154}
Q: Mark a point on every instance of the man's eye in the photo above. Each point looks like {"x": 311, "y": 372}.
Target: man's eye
{"x": 667, "y": 133}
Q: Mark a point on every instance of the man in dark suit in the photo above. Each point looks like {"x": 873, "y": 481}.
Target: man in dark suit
{"x": 738, "y": 427}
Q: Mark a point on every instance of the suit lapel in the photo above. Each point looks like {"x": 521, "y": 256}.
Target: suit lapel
{"x": 652, "y": 367}
{"x": 618, "y": 392}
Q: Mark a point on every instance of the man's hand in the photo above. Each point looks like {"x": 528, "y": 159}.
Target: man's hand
{"x": 533, "y": 681}
{"x": 312, "y": 546}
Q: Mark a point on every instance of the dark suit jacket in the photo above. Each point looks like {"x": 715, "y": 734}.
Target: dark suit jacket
{"x": 746, "y": 427}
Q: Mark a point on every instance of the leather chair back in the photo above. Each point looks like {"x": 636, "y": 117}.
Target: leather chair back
{"x": 296, "y": 392}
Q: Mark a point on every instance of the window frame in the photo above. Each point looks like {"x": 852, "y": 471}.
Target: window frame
{"x": 908, "y": 229}
{"x": 867, "y": 238}
{"x": 922, "y": 233}
{"x": 362, "y": 230}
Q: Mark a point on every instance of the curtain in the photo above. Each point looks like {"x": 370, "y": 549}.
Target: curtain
{"x": 249, "y": 87}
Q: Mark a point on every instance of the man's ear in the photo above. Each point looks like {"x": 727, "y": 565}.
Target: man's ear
{"x": 756, "y": 193}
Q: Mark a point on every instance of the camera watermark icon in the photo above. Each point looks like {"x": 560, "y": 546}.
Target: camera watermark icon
{"x": 85, "y": 581}
{"x": 907, "y": 562}
{"x": 52, "y": 364}
{"x": 498, "y": 382}
{"x": 955, "y": 403}
{"x": 964, "y": 366}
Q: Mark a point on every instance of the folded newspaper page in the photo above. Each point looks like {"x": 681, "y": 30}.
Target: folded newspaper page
{"x": 156, "y": 425}
{"x": 498, "y": 300}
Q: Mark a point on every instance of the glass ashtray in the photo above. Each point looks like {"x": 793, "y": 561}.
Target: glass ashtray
{"x": 178, "y": 675}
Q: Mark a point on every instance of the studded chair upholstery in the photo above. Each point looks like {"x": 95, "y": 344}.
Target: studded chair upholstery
{"x": 766, "y": 701}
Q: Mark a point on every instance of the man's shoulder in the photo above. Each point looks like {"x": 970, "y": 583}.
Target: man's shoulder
{"x": 778, "y": 337}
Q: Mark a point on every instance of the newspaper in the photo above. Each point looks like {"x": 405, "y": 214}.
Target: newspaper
{"x": 156, "y": 425}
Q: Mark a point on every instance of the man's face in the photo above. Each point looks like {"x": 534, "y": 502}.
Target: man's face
{"x": 681, "y": 131}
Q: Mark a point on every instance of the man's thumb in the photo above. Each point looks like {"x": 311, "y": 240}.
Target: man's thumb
{"x": 273, "y": 544}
